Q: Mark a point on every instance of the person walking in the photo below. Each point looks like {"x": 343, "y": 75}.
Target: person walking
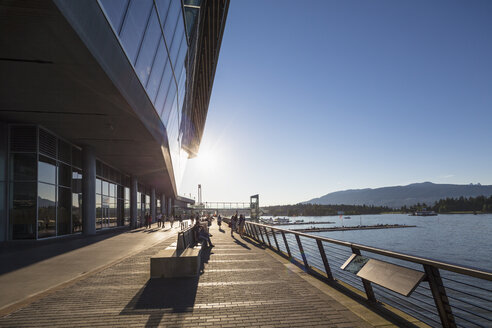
{"x": 171, "y": 220}
{"x": 233, "y": 225}
{"x": 241, "y": 223}
{"x": 219, "y": 221}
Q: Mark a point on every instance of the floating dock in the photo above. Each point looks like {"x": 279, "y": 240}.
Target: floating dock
{"x": 370, "y": 227}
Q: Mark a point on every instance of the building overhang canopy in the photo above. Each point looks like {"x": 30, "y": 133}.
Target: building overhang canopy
{"x": 63, "y": 68}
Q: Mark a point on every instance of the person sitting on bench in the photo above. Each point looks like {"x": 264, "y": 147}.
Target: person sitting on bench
{"x": 204, "y": 237}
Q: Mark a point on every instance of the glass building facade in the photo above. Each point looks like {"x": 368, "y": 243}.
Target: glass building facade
{"x": 154, "y": 37}
{"x": 95, "y": 131}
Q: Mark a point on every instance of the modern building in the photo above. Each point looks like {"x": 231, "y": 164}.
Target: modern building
{"x": 101, "y": 104}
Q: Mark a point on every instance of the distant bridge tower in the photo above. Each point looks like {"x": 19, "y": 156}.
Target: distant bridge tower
{"x": 200, "y": 194}
{"x": 254, "y": 203}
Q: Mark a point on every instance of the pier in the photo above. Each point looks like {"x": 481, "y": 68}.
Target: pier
{"x": 369, "y": 227}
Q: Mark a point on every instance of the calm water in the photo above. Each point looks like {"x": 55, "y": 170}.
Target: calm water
{"x": 463, "y": 239}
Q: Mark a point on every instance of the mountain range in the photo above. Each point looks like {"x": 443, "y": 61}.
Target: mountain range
{"x": 398, "y": 196}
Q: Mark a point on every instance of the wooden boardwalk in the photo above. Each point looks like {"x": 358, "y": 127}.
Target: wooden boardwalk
{"x": 242, "y": 285}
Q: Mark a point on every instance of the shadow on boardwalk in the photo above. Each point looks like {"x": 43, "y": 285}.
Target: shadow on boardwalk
{"x": 15, "y": 255}
{"x": 166, "y": 295}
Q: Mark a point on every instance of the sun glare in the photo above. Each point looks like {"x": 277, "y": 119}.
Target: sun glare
{"x": 207, "y": 159}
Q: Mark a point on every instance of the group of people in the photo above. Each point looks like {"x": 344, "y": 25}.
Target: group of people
{"x": 161, "y": 220}
{"x": 237, "y": 225}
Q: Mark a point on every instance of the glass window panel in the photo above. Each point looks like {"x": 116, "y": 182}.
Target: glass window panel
{"x": 98, "y": 211}
{"x": 111, "y": 189}
{"x": 76, "y": 212}
{"x": 127, "y": 194}
{"x": 46, "y": 210}
{"x": 134, "y": 26}
{"x": 127, "y": 213}
{"x": 105, "y": 188}
{"x": 64, "y": 175}
{"x": 148, "y": 49}
{"x": 160, "y": 61}
{"x": 171, "y": 20}
{"x": 121, "y": 190}
{"x": 191, "y": 15}
{"x": 180, "y": 64}
{"x": 167, "y": 79}
{"x": 171, "y": 98}
{"x": 46, "y": 170}
{"x": 178, "y": 40}
{"x": 77, "y": 181}
{"x": 23, "y": 167}
{"x": 64, "y": 209}
{"x": 98, "y": 186}
{"x": 23, "y": 210}
{"x": 115, "y": 10}
{"x": 112, "y": 213}
{"x": 163, "y": 9}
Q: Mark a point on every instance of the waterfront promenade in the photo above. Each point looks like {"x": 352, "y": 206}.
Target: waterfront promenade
{"x": 242, "y": 285}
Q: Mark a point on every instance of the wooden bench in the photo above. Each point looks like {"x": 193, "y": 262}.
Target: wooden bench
{"x": 180, "y": 259}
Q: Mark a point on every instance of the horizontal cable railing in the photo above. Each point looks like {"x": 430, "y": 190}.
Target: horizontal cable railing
{"x": 450, "y": 295}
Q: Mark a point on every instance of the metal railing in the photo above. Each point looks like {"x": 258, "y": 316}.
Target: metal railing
{"x": 450, "y": 295}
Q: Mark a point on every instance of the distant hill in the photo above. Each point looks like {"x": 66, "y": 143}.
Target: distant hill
{"x": 395, "y": 197}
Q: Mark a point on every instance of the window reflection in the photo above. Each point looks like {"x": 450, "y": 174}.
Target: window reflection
{"x": 98, "y": 212}
{"x": 63, "y": 211}
{"x": 23, "y": 210}
{"x": 157, "y": 70}
{"x": 148, "y": 49}
{"x": 134, "y": 26}
{"x": 46, "y": 210}
{"x": 115, "y": 9}
{"x": 46, "y": 170}
{"x": 76, "y": 212}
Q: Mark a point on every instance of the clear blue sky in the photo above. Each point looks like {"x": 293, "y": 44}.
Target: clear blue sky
{"x": 312, "y": 97}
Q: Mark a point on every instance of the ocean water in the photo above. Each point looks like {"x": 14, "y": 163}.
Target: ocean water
{"x": 463, "y": 239}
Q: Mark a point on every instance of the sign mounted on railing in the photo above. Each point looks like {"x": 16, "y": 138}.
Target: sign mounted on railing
{"x": 354, "y": 263}
{"x": 397, "y": 278}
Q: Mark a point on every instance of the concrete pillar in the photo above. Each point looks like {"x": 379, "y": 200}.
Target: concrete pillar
{"x": 88, "y": 191}
{"x": 163, "y": 204}
{"x": 153, "y": 211}
{"x": 133, "y": 202}
{"x": 168, "y": 206}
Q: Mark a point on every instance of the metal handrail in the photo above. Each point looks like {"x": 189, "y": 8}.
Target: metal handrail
{"x": 430, "y": 267}
{"x": 477, "y": 273}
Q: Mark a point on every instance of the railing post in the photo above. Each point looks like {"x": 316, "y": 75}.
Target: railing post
{"x": 261, "y": 234}
{"x": 367, "y": 284}
{"x": 325, "y": 260}
{"x": 275, "y": 238}
{"x": 248, "y": 230}
{"x": 255, "y": 234}
{"x": 304, "y": 259}
{"x": 286, "y": 245}
{"x": 440, "y": 297}
{"x": 268, "y": 238}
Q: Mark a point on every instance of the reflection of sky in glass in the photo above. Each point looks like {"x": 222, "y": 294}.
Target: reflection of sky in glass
{"x": 47, "y": 193}
{"x": 46, "y": 172}
{"x": 158, "y": 67}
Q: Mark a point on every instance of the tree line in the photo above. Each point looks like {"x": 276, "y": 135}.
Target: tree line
{"x": 480, "y": 204}
{"x": 324, "y": 210}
